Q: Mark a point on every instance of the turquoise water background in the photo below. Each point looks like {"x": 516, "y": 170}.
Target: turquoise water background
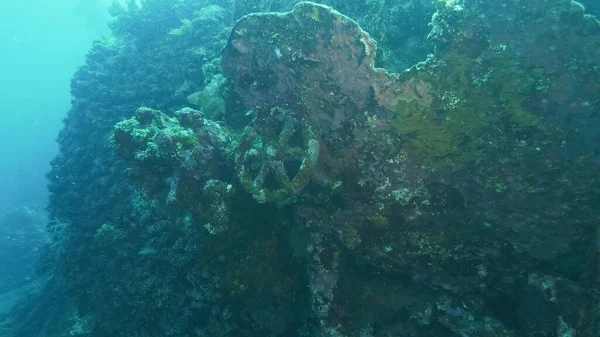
{"x": 42, "y": 43}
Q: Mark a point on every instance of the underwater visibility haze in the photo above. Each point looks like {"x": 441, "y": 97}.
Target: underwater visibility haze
{"x": 382, "y": 168}
{"x": 42, "y": 45}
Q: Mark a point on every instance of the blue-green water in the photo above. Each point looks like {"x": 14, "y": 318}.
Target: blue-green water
{"x": 42, "y": 43}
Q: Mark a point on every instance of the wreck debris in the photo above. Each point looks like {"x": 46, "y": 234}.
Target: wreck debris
{"x": 265, "y": 152}
{"x": 312, "y": 60}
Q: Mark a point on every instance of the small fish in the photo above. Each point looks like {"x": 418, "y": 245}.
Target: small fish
{"x": 15, "y": 40}
{"x": 34, "y": 120}
{"x": 147, "y": 251}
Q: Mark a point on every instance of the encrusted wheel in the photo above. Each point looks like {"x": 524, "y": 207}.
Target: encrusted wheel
{"x": 277, "y": 157}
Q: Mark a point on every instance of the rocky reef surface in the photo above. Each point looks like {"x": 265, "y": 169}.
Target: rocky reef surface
{"x": 264, "y": 176}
